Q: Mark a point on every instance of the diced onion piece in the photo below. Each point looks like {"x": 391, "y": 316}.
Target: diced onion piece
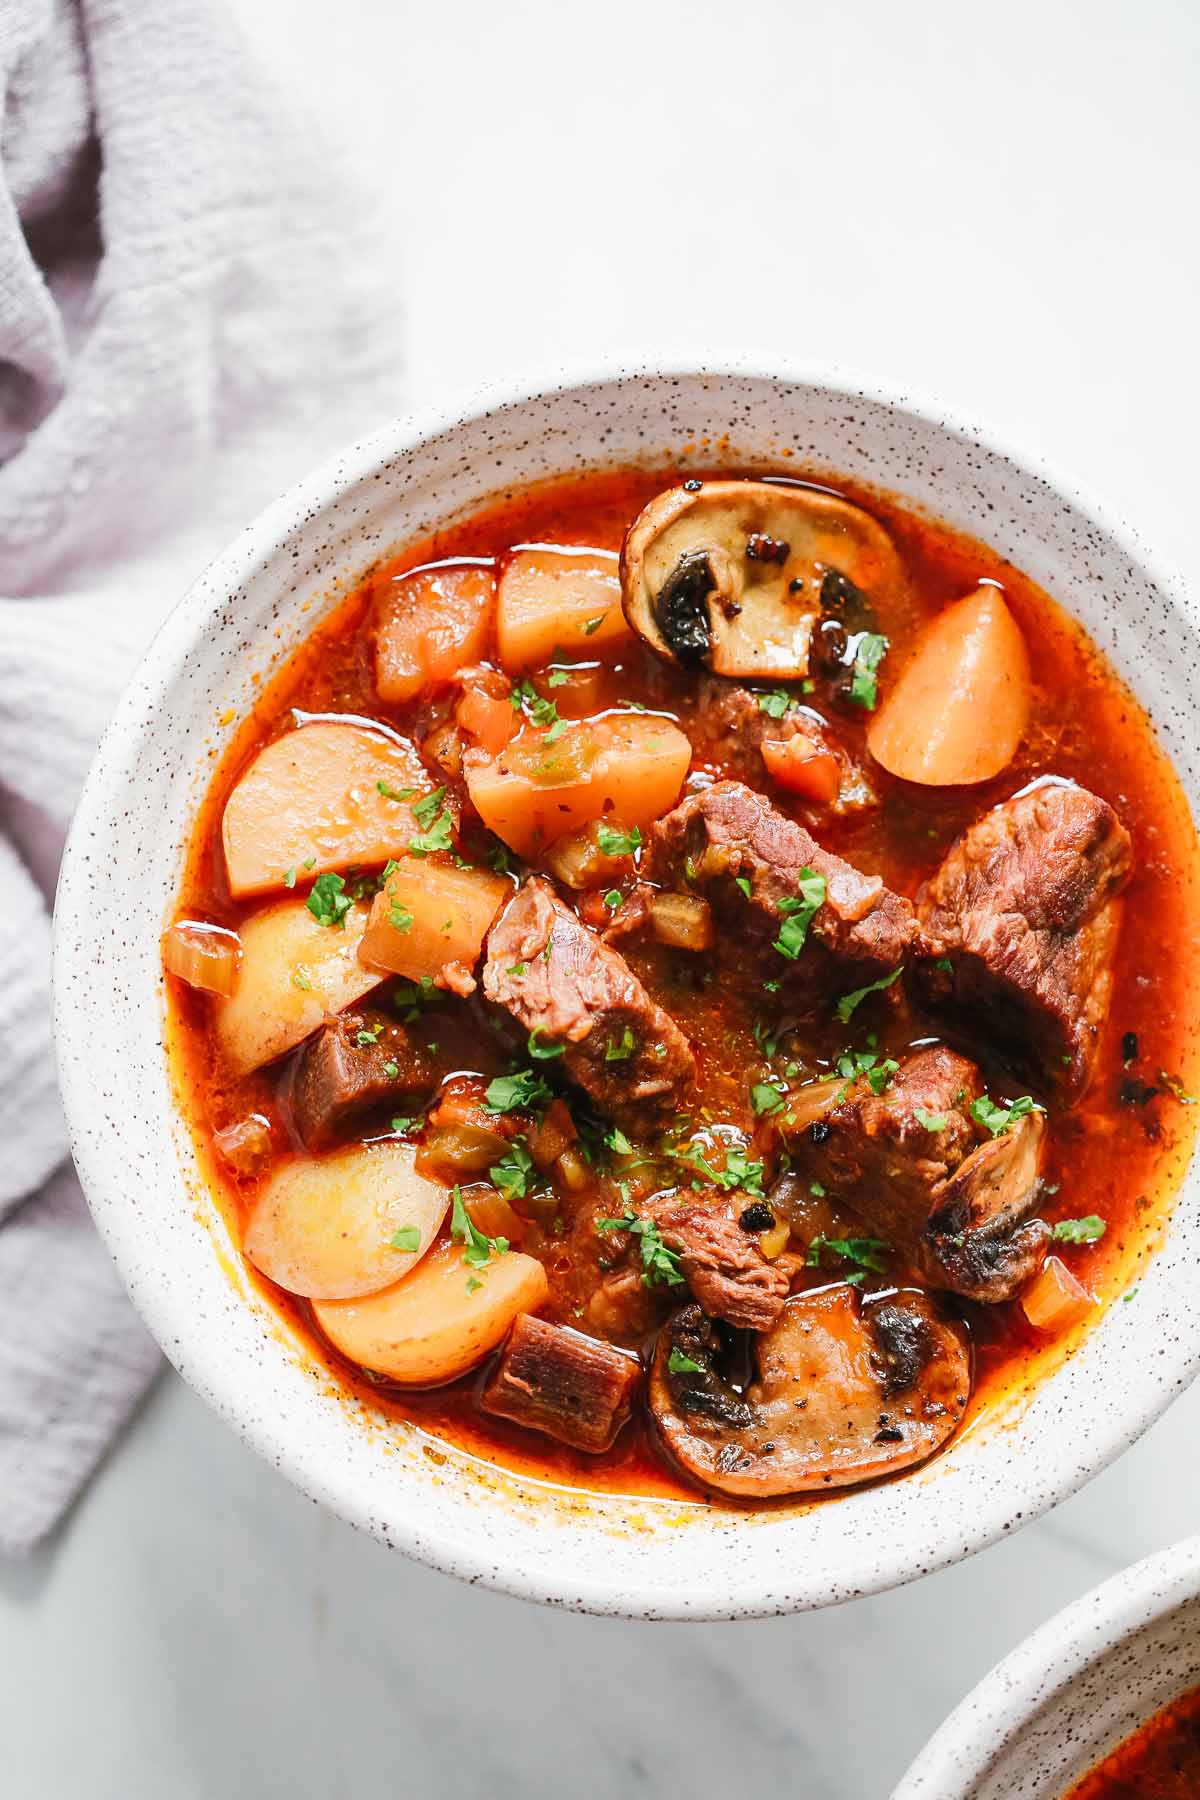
{"x": 572, "y": 1170}
{"x": 958, "y": 710}
{"x": 317, "y": 799}
{"x": 444, "y": 746}
{"x": 324, "y": 1226}
{"x": 427, "y": 625}
{"x": 1054, "y": 1299}
{"x": 429, "y": 914}
{"x": 803, "y": 767}
{"x": 682, "y": 920}
{"x": 558, "y": 600}
{"x": 205, "y": 956}
{"x": 492, "y": 1214}
{"x": 550, "y": 1135}
{"x": 441, "y": 1320}
{"x": 578, "y": 861}
{"x": 246, "y": 1144}
{"x": 624, "y": 766}
{"x": 772, "y": 1243}
{"x": 295, "y": 972}
{"x": 460, "y": 1152}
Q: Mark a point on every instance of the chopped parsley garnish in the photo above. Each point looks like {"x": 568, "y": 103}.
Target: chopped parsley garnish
{"x": 407, "y": 1238}
{"x": 391, "y": 793}
{"x": 399, "y": 917}
{"x": 591, "y": 625}
{"x": 300, "y": 980}
{"x": 402, "y": 1124}
{"x": 1080, "y": 1231}
{"x": 555, "y": 732}
{"x": 766, "y": 1037}
{"x": 869, "y": 653}
{"x": 543, "y": 1052}
{"x": 743, "y": 882}
{"x": 498, "y": 858}
{"x": 618, "y": 843}
{"x": 930, "y": 1120}
{"x": 289, "y": 879}
{"x": 410, "y": 996}
{"x": 391, "y": 1070}
{"x": 478, "y": 1248}
{"x": 995, "y": 1118}
{"x": 797, "y": 914}
{"x": 613, "y": 899}
{"x": 853, "y": 1063}
{"x": 660, "y": 1267}
{"x": 617, "y": 1141}
{"x": 679, "y": 1364}
{"x": 367, "y": 1035}
{"x": 328, "y": 901}
{"x": 815, "y": 1188}
{"x": 517, "y": 968}
{"x": 511, "y": 1093}
{"x": 867, "y": 1253}
{"x": 1174, "y": 1086}
{"x": 513, "y": 1174}
{"x": 765, "y": 1097}
{"x": 945, "y": 965}
{"x": 775, "y": 704}
{"x": 435, "y": 822}
{"x": 850, "y": 1002}
{"x": 622, "y": 1048}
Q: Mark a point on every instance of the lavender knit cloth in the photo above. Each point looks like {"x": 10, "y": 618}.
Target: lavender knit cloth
{"x": 188, "y": 319}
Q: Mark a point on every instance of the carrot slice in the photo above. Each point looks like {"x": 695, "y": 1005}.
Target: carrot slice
{"x": 959, "y": 709}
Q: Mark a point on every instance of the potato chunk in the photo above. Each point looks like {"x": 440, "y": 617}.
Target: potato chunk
{"x": 558, "y": 600}
{"x": 320, "y": 798}
{"x": 440, "y": 1321}
{"x": 630, "y": 766}
{"x": 428, "y": 624}
{"x": 431, "y": 919}
{"x": 327, "y": 1227}
{"x": 294, "y": 973}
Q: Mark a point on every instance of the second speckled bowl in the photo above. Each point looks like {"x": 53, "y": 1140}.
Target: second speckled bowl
{"x": 644, "y": 1558}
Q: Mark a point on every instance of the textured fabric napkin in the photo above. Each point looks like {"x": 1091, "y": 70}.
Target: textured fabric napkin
{"x": 188, "y": 319}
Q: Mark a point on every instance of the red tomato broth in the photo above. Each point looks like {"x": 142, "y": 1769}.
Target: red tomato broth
{"x": 1159, "y": 1762}
{"x": 1123, "y": 1162}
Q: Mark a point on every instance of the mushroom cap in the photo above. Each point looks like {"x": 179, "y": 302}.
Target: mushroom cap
{"x": 846, "y": 1392}
{"x": 729, "y": 576}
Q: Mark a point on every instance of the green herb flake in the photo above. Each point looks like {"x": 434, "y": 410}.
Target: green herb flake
{"x": 849, "y": 1003}
{"x": 399, "y": 917}
{"x": 328, "y": 902}
{"x": 593, "y": 625}
{"x": 1080, "y": 1231}
{"x": 517, "y": 968}
{"x": 543, "y": 1052}
{"x": 869, "y": 653}
{"x": 518, "y": 1092}
{"x": 660, "y": 1267}
{"x": 815, "y": 1188}
{"x": 1174, "y": 1086}
{"x": 995, "y": 1118}
{"x": 775, "y": 704}
{"x": 867, "y": 1253}
{"x": 513, "y": 1174}
{"x": 407, "y": 1238}
{"x": 743, "y": 882}
{"x": 402, "y": 1124}
{"x": 930, "y": 1120}
{"x": 797, "y": 914}
{"x": 613, "y": 899}
{"x": 766, "y": 1098}
{"x": 945, "y": 965}
{"x": 289, "y": 879}
{"x": 391, "y": 793}
{"x": 300, "y": 980}
{"x": 618, "y": 843}
{"x": 498, "y": 858}
{"x": 617, "y": 1141}
{"x": 478, "y": 1248}
{"x": 679, "y": 1364}
{"x": 367, "y": 1035}
{"x": 622, "y": 1048}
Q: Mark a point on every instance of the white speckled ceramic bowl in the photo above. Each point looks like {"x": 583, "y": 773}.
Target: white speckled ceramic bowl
{"x": 644, "y": 1558}
{"x": 1073, "y": 1691}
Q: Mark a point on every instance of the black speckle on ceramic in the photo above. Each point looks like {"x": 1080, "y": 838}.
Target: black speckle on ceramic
{"x": 1073, "y": 1691}
{"x": 642, "y": 1558}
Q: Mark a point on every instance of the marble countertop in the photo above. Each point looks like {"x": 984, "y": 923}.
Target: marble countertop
{"x": 994, "y": 205}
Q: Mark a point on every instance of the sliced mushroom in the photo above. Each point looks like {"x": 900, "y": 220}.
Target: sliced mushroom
{"x": 730, "y": 575}
{"x": 979, "y": 1239}
{"x": 845, "y": 1393}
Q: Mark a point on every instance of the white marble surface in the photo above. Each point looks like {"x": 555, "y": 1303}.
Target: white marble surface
{"x": 994, "y": 203}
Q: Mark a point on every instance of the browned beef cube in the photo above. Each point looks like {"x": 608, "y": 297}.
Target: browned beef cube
{"x": 722, "y": 1264}
{"x": 356, "y": 1062}
{"x": 919, "y": 1172}
{"x": 558, "y": 979}
{"x": 552, "y": 1379}
{"x": 1020, "y": 929}
{"x": 728, "y": 834}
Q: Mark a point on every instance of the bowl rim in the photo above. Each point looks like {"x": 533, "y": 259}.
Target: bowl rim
{"x": 990, "y": 1719}
{"x": 442, "y": 1547}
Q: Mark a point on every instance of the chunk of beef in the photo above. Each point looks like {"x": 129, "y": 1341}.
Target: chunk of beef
{"x": 353, "y": 1064}
{"x": 722, "y": 1264}
{"x": 552, "y": 1379}
{"x": 1020, "y": 929}
{"x": 558, "y": 979}
{"x": 919, "y": 1172}
{"x": 727, "y": 833}
{"x": 734, "y": 728}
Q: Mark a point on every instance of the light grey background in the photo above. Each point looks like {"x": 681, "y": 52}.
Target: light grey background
{"x": 995, "y": 203}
